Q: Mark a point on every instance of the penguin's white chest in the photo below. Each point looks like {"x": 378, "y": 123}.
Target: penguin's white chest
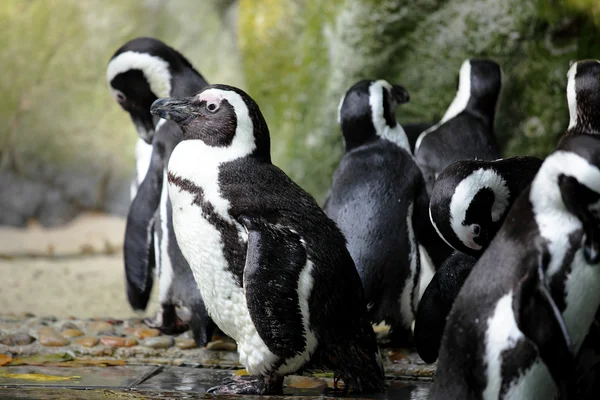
{"x": 202, "y": 245}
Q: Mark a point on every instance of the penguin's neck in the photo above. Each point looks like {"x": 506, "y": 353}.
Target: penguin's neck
{"x": 396, "y": 135}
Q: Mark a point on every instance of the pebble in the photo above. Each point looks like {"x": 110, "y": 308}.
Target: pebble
{"x": 185, "y": 344}
{"x": 115, "y": 341}
{"x": 87, "y": 341}
{"x": 159, "y": 342}
{"x": 95, "y": 327}
{"x": 143, "y": 333}
{"x": 22, "y": 339}
{"x": 49, "y": 337}
{"x": 221, "y": 345}
{"x": 69, "y": 333}
{"x": 68, "y": 325}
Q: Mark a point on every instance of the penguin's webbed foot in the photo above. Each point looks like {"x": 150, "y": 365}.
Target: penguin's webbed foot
{"x": 167, "y": 321}
{"x": 252, "y": 385}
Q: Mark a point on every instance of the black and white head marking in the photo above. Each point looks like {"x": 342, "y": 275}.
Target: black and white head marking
{"x": 583, "y": 95}
{"x": 484, "y": 189}
{"x": 366, "y": 111}
{"x": 219, "y": 116}
{"x": 479, "y": 83}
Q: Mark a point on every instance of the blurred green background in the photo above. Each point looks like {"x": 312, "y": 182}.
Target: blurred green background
{"x": 66, "y": 146}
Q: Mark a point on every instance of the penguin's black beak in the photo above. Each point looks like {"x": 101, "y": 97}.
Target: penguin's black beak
{"x": 177, "y": 110}
{"x": 400, "y": 95}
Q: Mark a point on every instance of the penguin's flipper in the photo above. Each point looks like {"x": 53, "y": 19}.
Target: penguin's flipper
{"x": 437, "y": 249}
{"x": 138, "y": 249}
{"x": 540, "y": 320}
{"x": 275, "y": 261}
{"x": 436, "y": 303}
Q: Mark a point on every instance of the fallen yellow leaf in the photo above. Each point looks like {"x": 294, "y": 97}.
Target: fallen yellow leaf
{"x": 241, "y": 372}
{"x": 4, "y": 359}
{"x": 39, "y": 377}
{"x": 42, "y": 359}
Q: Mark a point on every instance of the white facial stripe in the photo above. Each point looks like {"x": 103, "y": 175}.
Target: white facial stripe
{"x": 438, "y": 230}
{"x": 243, "y": 143}
{"x": 155, "y": 70}
{"x": 339, "y": 109}
{"x": 463, "y": 196}
{"x": 382, "y": 129}
{"x": 572, "y": 96}
{"x": 458, "y": 105}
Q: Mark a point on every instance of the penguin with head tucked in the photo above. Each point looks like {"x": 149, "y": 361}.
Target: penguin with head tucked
{"x": 138, "y": 73}
{"x": 530, "y": 300}
{"x": 466, "y": 130}
{"x": 377, "y": 198}
{"x": 273, "y": 270}
{"x": 468, "y": 205}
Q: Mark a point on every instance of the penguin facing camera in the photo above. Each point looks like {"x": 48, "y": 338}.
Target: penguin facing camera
{"x": 138, "y": 73}
{"x": 273, "y": 270}
{"x": 530, "y": 300}
{"x": 466, "y": 131}
{"x": 377, "y": 199}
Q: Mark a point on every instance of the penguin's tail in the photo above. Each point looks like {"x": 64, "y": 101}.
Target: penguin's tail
{"x": 359, "y": 366}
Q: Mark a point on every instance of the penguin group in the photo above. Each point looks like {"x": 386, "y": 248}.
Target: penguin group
{"x": 488, "y": 264}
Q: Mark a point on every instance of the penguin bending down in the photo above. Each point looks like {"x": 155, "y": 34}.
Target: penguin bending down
{"x": 583, "y": 97}
{"x": 138, "y": 73}
{"x": 273, "y": 270}
{"x": 468, "y": 205}
{"x": 466, "y": 130}
{"x": 470, "y": 199}
{"x": 378, "y": 199}
{"x": 528, "y": 303}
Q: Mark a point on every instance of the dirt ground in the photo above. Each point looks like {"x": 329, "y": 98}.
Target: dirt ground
{"x": 75, "y": 270}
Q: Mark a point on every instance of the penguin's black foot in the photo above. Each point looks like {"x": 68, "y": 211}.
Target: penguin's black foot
{"x": 253, "y": 385}
{"x": 167, "y": 321}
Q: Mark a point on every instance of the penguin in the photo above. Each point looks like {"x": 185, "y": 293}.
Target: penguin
{"x": 468, "y": 205}
{"x": 531, "y": 298}
{"x": 414, "y": 130}
{"x": 377, "y": 198}
{"x": 470, "y": 199}
{"x": 466, "y": 131}
{"x": 583, "y": 98}
{"x": 273, "y": 269}
{"x": 138, "y": 73}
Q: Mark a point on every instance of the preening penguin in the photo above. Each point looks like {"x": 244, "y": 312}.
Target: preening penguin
{"x": 378, "y": 200}
{"x": 528, "y": 303}
{"x": 466, "y": 130}
{"x": 470, "y": 199}
{"x": 583, "y": 97}
{"x": 138, "y": 73}
{"x": 273, "y": 270}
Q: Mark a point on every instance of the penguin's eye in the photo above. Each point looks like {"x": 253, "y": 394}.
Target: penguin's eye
{"x": 121, "y": 98}
{"x": 475, "y": 229}
{"x": 212, "y": 107}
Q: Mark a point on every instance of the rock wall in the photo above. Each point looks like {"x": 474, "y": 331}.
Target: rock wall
{"x": 66, "y": 146}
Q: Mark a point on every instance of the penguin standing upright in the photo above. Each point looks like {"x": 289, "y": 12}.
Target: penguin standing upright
{"x": 583, "y": 97}
{"x": 377, "y": 199}
{"x": 528, "y": 303}
{"x": 138, "y": 73}
{"x": 273, "y": 270}
{"x": 466, "y": 130}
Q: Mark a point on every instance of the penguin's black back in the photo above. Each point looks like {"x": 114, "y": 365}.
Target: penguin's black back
{"x": 370, "y": 196}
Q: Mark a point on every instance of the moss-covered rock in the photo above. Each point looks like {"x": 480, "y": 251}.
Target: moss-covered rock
{"x": 301, "y": 56}
{"x": 66, "y": 145}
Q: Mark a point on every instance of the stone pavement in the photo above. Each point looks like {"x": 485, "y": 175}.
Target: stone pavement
{"x": 49, "y": 358}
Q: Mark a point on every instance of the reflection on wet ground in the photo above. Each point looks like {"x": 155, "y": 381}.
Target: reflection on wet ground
{"x": 141, "y": 382}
